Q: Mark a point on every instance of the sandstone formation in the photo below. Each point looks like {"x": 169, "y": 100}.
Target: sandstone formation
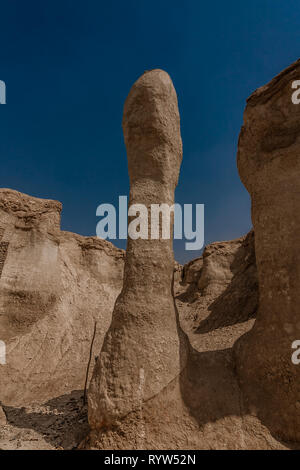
{"x": 142, "y": 353}
{"x": 151, "y": 387}
{"x": 49, "y": 350}
{"x": 54, "y": 286}
{"x": 269, "y": 166}
{"x": 222, "y": 284}
{"x": 181, "y": 366}
{"x": 3, "y": 421}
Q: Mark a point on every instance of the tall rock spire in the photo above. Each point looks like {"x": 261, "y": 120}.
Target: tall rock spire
{"x": 141, "y": 352}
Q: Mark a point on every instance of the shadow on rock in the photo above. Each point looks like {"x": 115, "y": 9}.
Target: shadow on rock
{"x": 61, "y": 421}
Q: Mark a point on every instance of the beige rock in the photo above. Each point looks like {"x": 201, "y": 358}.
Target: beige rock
{"x": 269, "y": 166}
{"x": 54, "y": 286}
{"x": 228, "y": 283}
{"x": 218, "y": 297}
{"x": 3, "y": 420}
{"x": 201, "y": 408}
{"x": 142, "y": 352}
{"x": 154, "y": 388}
{"x": 191, "y": 271}
{"x": 178, "y": 272}
{"x": 220, "y": 264}
{"x": 151, "y": 388}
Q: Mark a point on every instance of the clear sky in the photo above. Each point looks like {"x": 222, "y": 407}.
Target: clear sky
{"x": 69, "y": 65}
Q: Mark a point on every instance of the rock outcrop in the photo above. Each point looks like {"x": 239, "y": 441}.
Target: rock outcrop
{"x": 222, "y": 285}
{"x": 181, "y": 365}
{"x": 142, "y": 353}
{"x": 3, "y": 420}
{"x": 152, "y": 387}
{"x": 269, "y": 166}
{"x": 54, "y": 286}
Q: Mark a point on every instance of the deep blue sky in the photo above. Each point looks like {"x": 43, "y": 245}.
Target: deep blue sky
{"x": 69, "y": 65}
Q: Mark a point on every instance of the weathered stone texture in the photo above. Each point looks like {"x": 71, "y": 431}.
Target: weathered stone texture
{"x": 54, "y": 286}
{"x": 269, "y": 166}
{"x": 141, "y": 353}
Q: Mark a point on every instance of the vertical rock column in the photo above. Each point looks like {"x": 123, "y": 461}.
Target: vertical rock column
{"x": 269, "y": 166}
{"x": 142, "y": 343}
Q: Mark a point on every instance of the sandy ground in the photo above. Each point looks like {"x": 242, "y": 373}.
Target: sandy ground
{"x": 60, "y": 423}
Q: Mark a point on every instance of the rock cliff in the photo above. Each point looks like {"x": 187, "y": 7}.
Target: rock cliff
{"x": 54, "y": 286}
{"x": 269, "y": 166}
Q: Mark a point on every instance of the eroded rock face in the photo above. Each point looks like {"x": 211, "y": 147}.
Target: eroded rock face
{"x": 218, "y": 294}
{"x": 3, "y": 420}
{"x": 141, "y": 353}
{"x": 225, "y": 288}
{"x": 30, "y": 279}
{"x": 269, "y": 166}
{"x": 54, "y": 286}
